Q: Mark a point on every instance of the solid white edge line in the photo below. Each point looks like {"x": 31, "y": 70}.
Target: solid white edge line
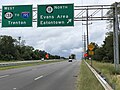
{"x": 38, "y": 77}
{"x": 4, "y": 76}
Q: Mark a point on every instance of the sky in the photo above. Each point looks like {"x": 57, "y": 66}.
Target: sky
{"x": 61, "y": 41}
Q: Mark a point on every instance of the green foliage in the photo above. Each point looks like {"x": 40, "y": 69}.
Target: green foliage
{"x": 72, "y": 56}
{"x": 105, "y": 53}
{"x": 11, "y": 50}
{"x": 99, "y": 54}
{"x": 7, "y": 49}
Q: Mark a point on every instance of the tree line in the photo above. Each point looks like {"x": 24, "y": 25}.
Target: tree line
{"x": 10, "y": 49}
{"x": 105, "y": 52}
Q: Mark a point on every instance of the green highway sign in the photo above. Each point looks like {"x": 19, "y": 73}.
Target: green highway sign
{"x": 17, "y": 16}
{"x": 55, "y": 15}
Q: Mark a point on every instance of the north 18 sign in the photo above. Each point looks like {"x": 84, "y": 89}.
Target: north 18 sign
{"x": 17, "y": 16}
{"x": 55, "y": 15}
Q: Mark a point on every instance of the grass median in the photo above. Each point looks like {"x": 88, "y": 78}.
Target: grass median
{"x": 87, "y": 80}
{"x": 28, "y": 64}
{"x": 108, "y": 70}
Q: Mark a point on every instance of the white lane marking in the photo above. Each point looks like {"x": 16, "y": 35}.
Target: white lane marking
{"x": 4, "y": 76}
{"x": 38, "y": 77}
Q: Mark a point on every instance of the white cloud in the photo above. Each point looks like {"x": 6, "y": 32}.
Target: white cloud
{"x": 77, "y": 50}
{"x": 66, "y": 40}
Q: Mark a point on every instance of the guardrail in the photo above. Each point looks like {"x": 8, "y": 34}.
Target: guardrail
{"x": 16, "y": 63}
{"x": 21, "y": 62}
{"x": 100, "y": 79}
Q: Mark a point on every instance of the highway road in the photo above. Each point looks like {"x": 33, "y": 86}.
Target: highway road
{"x": 53, "y": 76}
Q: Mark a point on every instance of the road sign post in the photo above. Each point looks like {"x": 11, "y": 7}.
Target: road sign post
{"x": 91, "y": 47}
{"x": 17, "y": 16}
{"x": 55, "y": 15}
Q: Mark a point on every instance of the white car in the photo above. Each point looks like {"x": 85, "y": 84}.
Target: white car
{"x": 42, "y": 59}
{"x": 70, "y": 60}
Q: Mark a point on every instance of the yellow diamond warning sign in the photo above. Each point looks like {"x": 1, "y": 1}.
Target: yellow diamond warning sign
{"x": 91, "y": 47}
{"x": 91, "y": 52}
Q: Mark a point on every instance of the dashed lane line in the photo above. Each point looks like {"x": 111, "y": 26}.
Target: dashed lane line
{"x": 4, "y": 76}
{"x": 38, "y": 77}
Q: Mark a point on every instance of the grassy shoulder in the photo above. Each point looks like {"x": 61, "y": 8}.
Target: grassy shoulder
{"x": 107, "y": 69}
{"x": 28, "y": 64}
{"x": 87, "y": 80}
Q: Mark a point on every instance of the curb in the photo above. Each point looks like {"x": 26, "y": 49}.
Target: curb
{"x": 100, "y": 79}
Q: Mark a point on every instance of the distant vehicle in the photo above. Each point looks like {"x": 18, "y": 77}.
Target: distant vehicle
{"x": 70, "y": 60}
{"x": 42, "y": 59}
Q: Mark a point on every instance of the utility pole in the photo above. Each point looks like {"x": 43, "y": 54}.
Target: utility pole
{"x": 115, "y": 37}
{"x": 19, "y": 38}
{"x": 87, "y": 30}
{"x": 84, "y": 43}
{"x": 87, "y": 24}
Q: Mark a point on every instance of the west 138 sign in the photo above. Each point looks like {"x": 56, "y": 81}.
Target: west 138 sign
{"x": 55, "y": 15}
{"x": 17, "y": 16}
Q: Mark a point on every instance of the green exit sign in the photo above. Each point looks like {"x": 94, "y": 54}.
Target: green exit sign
{"x": 55, "y": 15}
{"x": 17, "y": 16}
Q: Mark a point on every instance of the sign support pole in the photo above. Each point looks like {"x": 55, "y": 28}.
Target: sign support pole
{"x": 115, "y": 38}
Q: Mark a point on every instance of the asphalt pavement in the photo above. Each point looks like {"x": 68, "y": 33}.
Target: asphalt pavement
{"x": 53, "y": 76}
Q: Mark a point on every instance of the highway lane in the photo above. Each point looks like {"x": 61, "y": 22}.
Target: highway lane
{"x": 53, "y": 76}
